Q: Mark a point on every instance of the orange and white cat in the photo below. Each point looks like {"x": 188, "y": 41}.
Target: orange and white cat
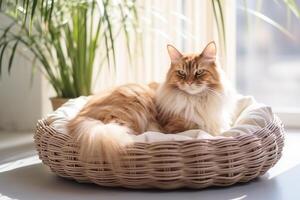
{"x": 195, "y": 94}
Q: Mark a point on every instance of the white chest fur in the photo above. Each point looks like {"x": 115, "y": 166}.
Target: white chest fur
{"x": 210, "y": 112}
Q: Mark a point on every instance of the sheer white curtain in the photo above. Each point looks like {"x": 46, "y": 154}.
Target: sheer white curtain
{"x": 188, "y": 25}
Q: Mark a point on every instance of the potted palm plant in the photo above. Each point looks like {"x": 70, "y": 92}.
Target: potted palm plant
{"x": 65, "y": 38}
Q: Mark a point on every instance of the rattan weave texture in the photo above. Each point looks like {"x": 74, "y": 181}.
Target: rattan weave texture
{"x": 168, "y": 165}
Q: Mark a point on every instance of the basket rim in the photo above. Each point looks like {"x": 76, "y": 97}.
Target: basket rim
{"x": 269, "y": 126}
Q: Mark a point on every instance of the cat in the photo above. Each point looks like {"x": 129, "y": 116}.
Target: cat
{"x": 195, "y": 94}
{"x": 105, "y": 124}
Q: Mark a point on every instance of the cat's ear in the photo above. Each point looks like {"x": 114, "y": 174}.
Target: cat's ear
{"x": 174, "y": 54}
{"x": 210, "y": 51}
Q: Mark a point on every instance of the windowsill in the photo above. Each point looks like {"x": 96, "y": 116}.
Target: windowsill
{"x": 290, "y": 119}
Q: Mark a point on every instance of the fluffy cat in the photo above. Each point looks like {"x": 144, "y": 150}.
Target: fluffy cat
{"x": 104, "y": 125}
{"x": 195, "y": 94}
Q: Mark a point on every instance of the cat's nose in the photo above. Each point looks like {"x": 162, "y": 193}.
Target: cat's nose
{"x": 189, "y": 82}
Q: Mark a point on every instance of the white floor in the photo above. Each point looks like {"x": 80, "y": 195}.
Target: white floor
{"x": 23, "y": 177}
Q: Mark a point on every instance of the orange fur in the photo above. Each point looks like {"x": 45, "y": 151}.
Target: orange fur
{"x": 153, "y": 85}
{"x": 104, "y": 125}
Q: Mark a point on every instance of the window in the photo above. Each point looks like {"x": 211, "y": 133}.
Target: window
{"x": 268, "y": 61}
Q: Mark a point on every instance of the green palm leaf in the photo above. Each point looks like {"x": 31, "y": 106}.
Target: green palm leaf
{"x": 269, "y": 21}
{"x": 12, "y": 56}
{"x": 62, "y": 37}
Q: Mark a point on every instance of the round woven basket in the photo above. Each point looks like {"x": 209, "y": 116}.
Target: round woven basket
{"x": 196, "y": 163}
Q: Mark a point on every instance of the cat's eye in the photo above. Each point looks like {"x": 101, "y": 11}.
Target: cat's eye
{"x": 181, "y": 73}
{"x": 199, "y": 73}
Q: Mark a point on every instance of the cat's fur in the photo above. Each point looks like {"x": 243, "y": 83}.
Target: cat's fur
{"x": 195, "y": 94}
{"x": 104, "y": 125}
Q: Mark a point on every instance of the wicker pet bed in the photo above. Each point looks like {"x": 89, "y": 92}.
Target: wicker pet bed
{"x": 246, "y": 151}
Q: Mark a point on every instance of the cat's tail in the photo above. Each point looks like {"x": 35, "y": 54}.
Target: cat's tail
{"x": 99, "y": 141}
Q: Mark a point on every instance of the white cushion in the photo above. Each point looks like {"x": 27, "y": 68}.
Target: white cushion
{"x": 249, "y": 117}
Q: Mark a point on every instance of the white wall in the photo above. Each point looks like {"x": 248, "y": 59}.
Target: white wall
{"x": 21, "y": 104}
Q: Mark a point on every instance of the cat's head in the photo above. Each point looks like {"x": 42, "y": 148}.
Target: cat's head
{"x": 194, "y": 73}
